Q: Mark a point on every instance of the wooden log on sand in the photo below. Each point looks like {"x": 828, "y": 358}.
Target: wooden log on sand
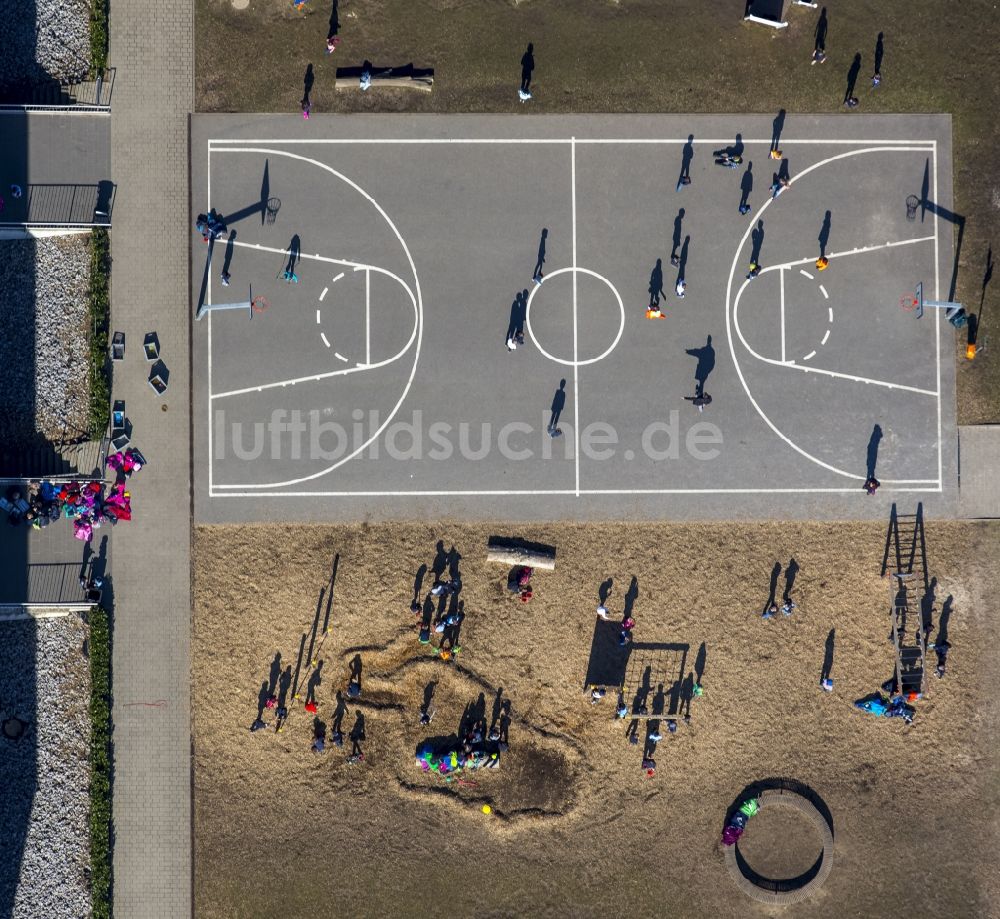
{"x": 520, "y": 552}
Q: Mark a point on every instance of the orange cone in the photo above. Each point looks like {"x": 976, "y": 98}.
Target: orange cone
{"x": 821, "y": 263}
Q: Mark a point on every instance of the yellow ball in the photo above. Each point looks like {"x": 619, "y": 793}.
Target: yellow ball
{"x": 487, "y": 809}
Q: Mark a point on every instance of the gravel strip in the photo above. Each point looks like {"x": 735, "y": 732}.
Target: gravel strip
{"x": 45, "y": 680}
{"x": 43, "y": 39}
{"x": 44, "y": 387}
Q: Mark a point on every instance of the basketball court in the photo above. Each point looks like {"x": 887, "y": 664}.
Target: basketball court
{"x": 391, "y": 258}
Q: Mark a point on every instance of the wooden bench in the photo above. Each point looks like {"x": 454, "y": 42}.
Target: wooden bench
{"x": 405, "y": 77}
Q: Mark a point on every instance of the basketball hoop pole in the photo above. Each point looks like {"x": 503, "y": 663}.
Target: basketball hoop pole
{"x": 952, "y": 309}
{"x": 246, "y": 304}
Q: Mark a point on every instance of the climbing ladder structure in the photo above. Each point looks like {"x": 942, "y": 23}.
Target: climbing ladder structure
{"x": 905, "y": 565}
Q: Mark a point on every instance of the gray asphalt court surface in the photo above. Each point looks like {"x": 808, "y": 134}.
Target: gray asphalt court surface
{"x": 379, "y": 383}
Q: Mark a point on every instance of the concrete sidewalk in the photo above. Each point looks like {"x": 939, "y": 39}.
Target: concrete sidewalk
{"x": 152, "y": 46}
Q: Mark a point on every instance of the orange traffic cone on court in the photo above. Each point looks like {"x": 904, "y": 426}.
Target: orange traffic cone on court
{"x": 821, "y": 263}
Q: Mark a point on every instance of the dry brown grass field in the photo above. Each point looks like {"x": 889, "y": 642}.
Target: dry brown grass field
{"x": 577, "y": 828}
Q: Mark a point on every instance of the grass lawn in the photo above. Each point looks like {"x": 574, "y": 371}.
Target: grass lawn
{"x": 647, "y": 56}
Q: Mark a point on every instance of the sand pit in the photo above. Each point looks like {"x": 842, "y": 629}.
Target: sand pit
{"x": 576, "y": 828}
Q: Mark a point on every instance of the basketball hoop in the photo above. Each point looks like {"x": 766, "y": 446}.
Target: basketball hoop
{"x": 908, "y": 303}
{"x": 259, "y": 304}
{"x": 912, "y": 203}
{"x": 271, "y": 209}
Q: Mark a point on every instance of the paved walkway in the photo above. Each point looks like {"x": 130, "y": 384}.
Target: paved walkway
{"x": 152, "y": 46}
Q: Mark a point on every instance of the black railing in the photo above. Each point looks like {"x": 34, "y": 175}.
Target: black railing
{"x": 61, "y": 206}
{"x": 84, "y": 95}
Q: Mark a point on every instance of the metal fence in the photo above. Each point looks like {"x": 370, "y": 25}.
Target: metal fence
{"x": 63, "y": 205}
{"x": 92, "y": 95}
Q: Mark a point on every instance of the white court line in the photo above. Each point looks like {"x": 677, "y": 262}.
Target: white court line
{"x": 312, "y": 378}
{"x": 318, "y": 319}
{"x": 809, "y": 356}
{"x": 576, "y": 352}
{"x": 937, "y": 320}
{"x": 825, "y": 337}
{"x": 861, "y": 250}
{"x": 322, "y": 295}
{"x": 417, "y": 301}
{"x": 805, "y": 273}
{"x": 829, "y": 310}
{"x": 323, "y": 336}
{"x": 223, "y": 142}
{"x": 339, "y": 356}
{"x": 781, "y": 275}
{"x": 791, "y": 365}
{"x": 368, "y": 317}
{"x": 826, "y": 296}
{"x": 211, "y": 464}
{"x": 337, "y": 278}
{"x": 911, "y": 486}
{"x": 732, "y": 306}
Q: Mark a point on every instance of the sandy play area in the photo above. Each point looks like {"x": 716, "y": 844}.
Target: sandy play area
{"x": 577, "y": 828}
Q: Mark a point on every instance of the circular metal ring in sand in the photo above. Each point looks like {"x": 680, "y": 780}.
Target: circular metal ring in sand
{"x": 766, "y": 890}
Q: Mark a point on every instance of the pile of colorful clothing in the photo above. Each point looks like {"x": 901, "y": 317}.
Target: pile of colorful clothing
{"x": 456, "y": 758}
{"x": 738, "y": 821}
{"x": 87, "y": 504}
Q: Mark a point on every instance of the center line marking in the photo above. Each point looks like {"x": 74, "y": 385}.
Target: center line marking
{"x": 322, "y": 295}
{"x": 323, "y": 336}
{"x": 317, "y": 317}
{"x": 368, "y": 320}
{"x": 825, "y": 337}
{"x": 576, "y": 355}
{"x": 826, "y": 296}
{"x": 781, "y": 275}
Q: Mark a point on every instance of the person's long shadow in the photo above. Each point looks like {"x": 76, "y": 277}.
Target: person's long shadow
{"x": 527, "y": 67}
{"x": 604, "y": 591}
{"x": 307, "y": 84}
{"x": 873, "y": 442}
{"x": 791, "y": 572}
{"x": 946, "y": 610}
{"x": 314, "y": 681}
{"x": 705, "y": 366}
{"x": 656, "y": 284}
{"x": 631, "y": 595}
{"x": 756, "y": 242}
{"x": 683, "y": 260}
{"x": 734, "y": 149}
{"x": 675, "y": 242}
{"x": 773, "y": 589}
{"x": 440, "y": 563}
{"x": 746, "y": 186}
{"x": 338, "y": 714}
{"x": 927, "y": 607}
{"x": 821, "y": 30}
{"x": 777, "y": 126}
{"x": 824, "y": 235}
{"x": 357, "y": 734}
{"x": 558, "y": 404}
{"x": 852, "y": 77}
{"x": 274, "y": 675}
{"x": 230, "y": 248}
{"x": 518, "y": 310}
{"x": 284, "y": 684}
{"x": 536, "y": 272}
{"x": 699, "y": 663}
{"x": 879, "y": 51}
{"x": 334, "y": 27}
{"x": 428, "y": 696}
{"x": 828, "y": 648}
{"x": 687, "y": 154}
{"x": 294, "y": 253}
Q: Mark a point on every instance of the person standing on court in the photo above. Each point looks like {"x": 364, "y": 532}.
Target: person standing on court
{"x": 536, "y": 275}
{"x": 527, "y": 66}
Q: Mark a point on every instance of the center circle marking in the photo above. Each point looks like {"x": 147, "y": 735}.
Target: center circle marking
{"x": 590, "y": 360}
